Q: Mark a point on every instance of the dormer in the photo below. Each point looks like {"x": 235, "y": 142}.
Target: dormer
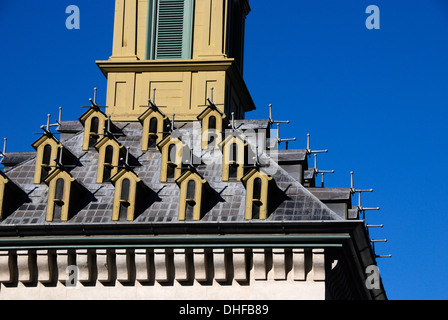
{"x": 64, "y": 196}
{"x": 234, "y": 157}
{"x": 193, "y": 194}
{"x": 129, "y": 192}
{"x": 258, "y": 185}
{"x": 47, "y": 148}
{"x": 11, "y": 196}
{"x": 172, "y": 150}
{"x": 155, "y": 127}
{"x": 213, "y": 124}
{"x": 94, "y": 121}
{"x": 109, "y": 154}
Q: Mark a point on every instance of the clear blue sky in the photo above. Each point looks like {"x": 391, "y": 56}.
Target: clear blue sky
{"x": 377, "y": 99}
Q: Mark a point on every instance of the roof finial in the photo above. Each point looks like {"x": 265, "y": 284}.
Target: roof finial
{"x": 278, "y": 139}
{"x": 308, "y": 147}
{"x": 271, "y": 120}
{"x": 3, "y": 153}
{"x": 322, "y": 172}
{"x": 353, "y": 190}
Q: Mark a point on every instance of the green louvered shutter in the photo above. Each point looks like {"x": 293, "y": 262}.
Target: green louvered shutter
{"x": 172, "y": 22}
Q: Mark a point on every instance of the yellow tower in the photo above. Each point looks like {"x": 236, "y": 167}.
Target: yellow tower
{"x": 178, "y": 53}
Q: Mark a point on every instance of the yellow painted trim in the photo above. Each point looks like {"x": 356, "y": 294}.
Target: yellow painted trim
{"x": 39, "y": 146}
{"x": 3, "y": 183}
{"x": 145, "y": 119}
{"x": 205, "y": 118}
{"x": 117, "y": 181}
{"x": 101, "y": 147}
{"x": 248, "y": 180}
{"x": 51, "y": 181}
{"x": 164, "y": 147}
{"x": 86, "y": 119}
{"x": 183, "y": 183}
{"x": 226, "y": 149}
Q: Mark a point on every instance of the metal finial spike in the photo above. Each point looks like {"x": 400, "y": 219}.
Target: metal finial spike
{"x": 352, "y": 182}
{"x": 154, "y": 95}
{"x": 271, "y": 119}
{"x": 233, "y": 120}
{"x": 4, "y": 145}
{"x": 60, "y": 115}
{"x": 48, "y": 121}
{"x": 375, "y": 241}
{"x": 127, "y": 156}
{"x": 108, "y": 124}
{"x": 211, "y": 94}
{"x": 94, "y": 94}
{"x": 374, "y": 226}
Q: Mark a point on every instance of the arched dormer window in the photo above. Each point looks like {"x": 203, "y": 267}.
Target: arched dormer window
{"x": 213, "y": 126}
{"x": 124, "y": 200}
{"x": 94, "y": 130}
{"x": 257, "y": 189}
{"x": 60, "y": 185}
{"x": 172, "y": 150}
{"x": 190, "y": 200}
{"x": 47, "y": 148}
{"x": 94, "y": 122}
{"x": 127, "y": 187}
{"x": 192, "y": 194}
{"x": 256, "y": 198}
{"x": 234, "y": 158}
{"x": 155, "y": 125}
{"x": 108, "y": 163}
{"x": 58, "y": 200}
{"x": 109, "y": 152}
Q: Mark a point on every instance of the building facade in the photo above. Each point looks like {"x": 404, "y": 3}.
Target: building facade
{"x": 169, "y": 192}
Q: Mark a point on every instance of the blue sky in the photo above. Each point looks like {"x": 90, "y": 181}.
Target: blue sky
{"x": 377, "y": 99}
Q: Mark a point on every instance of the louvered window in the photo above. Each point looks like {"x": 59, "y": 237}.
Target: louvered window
{"x": 170, "y": 29}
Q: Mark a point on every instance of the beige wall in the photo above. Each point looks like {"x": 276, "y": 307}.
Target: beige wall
{"x": 234, "y": 274}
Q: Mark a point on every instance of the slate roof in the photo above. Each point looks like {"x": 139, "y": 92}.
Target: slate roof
{"x": 293, "y": 203}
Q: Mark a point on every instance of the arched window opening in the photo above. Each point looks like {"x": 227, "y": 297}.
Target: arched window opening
{"x": 94, "y": 127}
{"x": 256, "y": 199}
{"x": 58, "y": 200}
{"x": 212, "y": 122}
{"x": 124, "y": 199}
{"x": 257, "y": 189}
{"x": 190, "y": 200}
{"x": 233, "y": 162}
{"x": 153, "y": 126}
{"x": 171, "y": 167}
{"x": 212, "y": 130}
{"x": 108, "y": 163}
{"x": 46, "y": 160}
